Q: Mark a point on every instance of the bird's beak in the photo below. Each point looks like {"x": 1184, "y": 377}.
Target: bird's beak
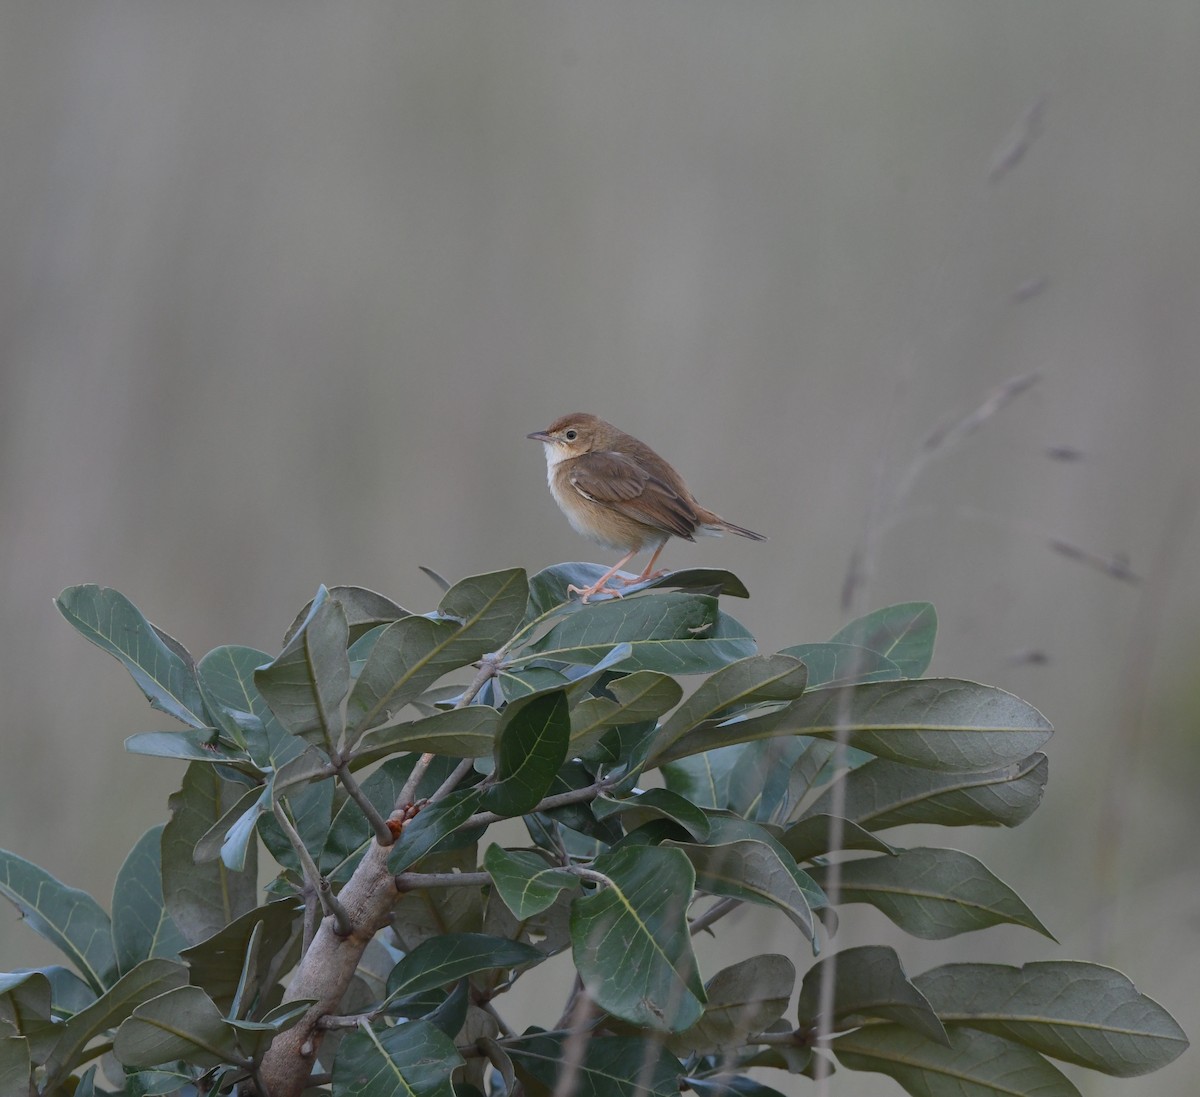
{"x": 539, "y": 436}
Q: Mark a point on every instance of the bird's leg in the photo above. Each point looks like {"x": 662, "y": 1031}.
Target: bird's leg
{"x": 649, "y": 573}
{"x": 598, "y": 586}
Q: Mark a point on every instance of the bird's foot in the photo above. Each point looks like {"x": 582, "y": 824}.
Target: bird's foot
{"x": 590, "y": 592}
{"x": 645, "y": 577}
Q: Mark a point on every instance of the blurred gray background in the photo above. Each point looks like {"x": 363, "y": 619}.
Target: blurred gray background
{"x": 283, "y": 287}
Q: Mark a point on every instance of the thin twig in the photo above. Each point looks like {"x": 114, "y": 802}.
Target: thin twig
{"x": 417, "y": 881}
{"x": 561, "y": 799}
{"x": 451, "y": 783}
{"x": 312, "y": 875}
{"x": 489, "y": 667}
{"x": 717, "y": 911}
{"x": 378, "y": 824}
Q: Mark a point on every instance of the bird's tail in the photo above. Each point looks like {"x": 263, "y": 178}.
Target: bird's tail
{"x": 714, "y": 524}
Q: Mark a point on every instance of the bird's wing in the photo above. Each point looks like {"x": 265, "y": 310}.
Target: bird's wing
{"x": 621, "y": 484}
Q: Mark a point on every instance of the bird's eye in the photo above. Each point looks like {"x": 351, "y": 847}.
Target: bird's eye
{"x": 571, "y": 435}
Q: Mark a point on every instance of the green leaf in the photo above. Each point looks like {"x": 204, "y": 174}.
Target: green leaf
{"x": 675, "y": 633}
{"x": 226, "y": 676}
{"x": 477, "y": 615}
{"x": 201, "y": 899}
{"x": 458, "y": 733}
{"x": 453, "y": 956}
{"x": 531, "y": 747}
{"x": 68, "y": 918}
{"x": 365, "y": 609}
{"x": 217, "y": 962}
{"x": 868, "y": 982}
{"x": 229, "y": 837}
{"x": 936, "y": 723}
{"x": 810, "y": 838}
{"x": 715, "y": 581}
{"x": 141, "y": 926}
{"x": 747, "y": 997}
{"x": 903, "y": 633}
{"x": 1078, "y": 1012}
{"x": 526, "y": 883}
{"x": 843, "y": 664}
{"x": 409, "y": 1060}
{"x": 642, "y": 695}
{"x": 432, "y": 827}
{"x": 25, "y": 1011}
{"x": 612, "y": 1066}
{"x": 743, "y": 861}
{"x": 631, "y": 943}
{"x": 933, "y": 893}
{"x": 306, "y": 683}
{"x": 16, "y": 1067}
{"x": 144, "y": 981}
{"x": 656, "y": 803}
{"x": 704, "y": 778}
{"x": 885, "y": 794}
{"x": 181, "y": 1024}
{"x": 749, "y": 681}
{"x": 191, "y": 745}
{"x": 975, "y": 1064}
{"x": 159, "y": 665}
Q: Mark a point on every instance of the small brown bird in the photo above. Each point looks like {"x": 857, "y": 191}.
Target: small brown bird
{"x": 620, "y": 493}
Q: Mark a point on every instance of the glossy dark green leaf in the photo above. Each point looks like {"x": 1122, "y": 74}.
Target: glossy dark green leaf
{"x": 870, "y": 982}
{"x": 744, "y": 998}
{"x": 155, "y": 1083}
{"x": 144, "y": 981}
{"x": 631, "y": 943}
{"x": 433, "y": 827}
{"x": 141, "y": 926}
{"x": 742, "y": 861}
{"x": 655, "y": 803}
{"x": 642, "y": 695}
{"x": 843, "y": 664}
{"x": 675, "y": 633}
{"x": 68, "y": 918}
{"x": 612, "y": 1066}
{"x": 526, "y": 882}
{"x": 159, "y": 665}
{"x": 1078, "y": 1012}
{"x": 453, "y": 956}
{"x": 975, "y": 1063}
{"x": 885, "y": 794}
{"x": 409, "y": 1060}
{"x": 307, "y": 682}
{"x": 202, "y": 898}
{"x": 903, "y": 633}
{"x": 811, "y": 837}
{"x": 365, "y": 609}
{"x": 749, "y": 681}
{"x": 226, "y": 676}
{"x": 181, "y": 1024}
{"x": 531, "y": 747}
{"x": 459, "y": 733}
{"x": 476, "y": 616}
{"x": 933, "y": 893}
{"x": 936, "y": 723}
{"x": 217, "y": 962}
